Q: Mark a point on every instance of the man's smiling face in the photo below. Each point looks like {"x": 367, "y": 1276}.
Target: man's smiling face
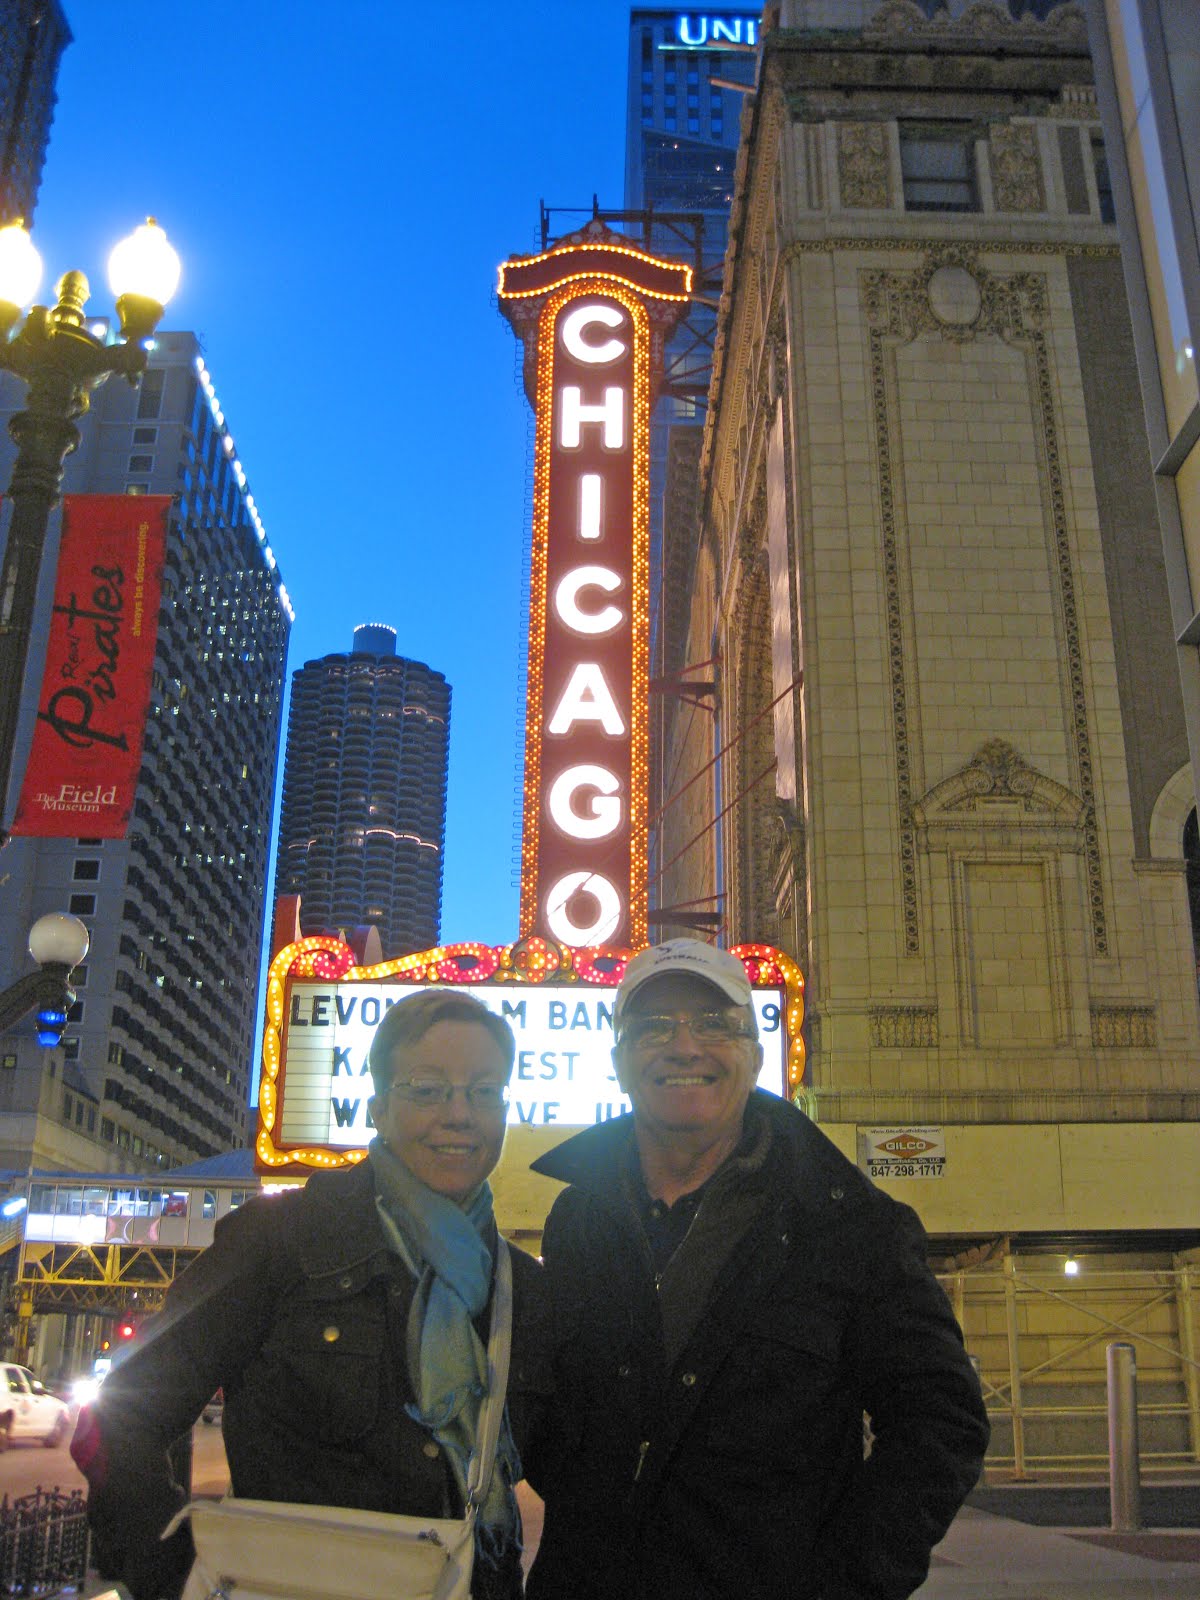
{"x": 687, "y": 1085}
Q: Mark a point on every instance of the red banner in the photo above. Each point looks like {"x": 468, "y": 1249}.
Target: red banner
{"x": 87, "y": 744}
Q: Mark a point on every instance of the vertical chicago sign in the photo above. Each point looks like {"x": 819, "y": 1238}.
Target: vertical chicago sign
{"x": 592, "y": 313}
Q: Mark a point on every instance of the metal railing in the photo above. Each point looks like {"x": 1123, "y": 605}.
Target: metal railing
{"x": 43, "y": 1543}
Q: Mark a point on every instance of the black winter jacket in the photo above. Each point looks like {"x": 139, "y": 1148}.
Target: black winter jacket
{"x": 740, "y": 1472}
{"x": 298, "y": 1311}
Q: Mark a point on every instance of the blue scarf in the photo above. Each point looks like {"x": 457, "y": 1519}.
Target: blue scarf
{"x": 448, "y": 1251}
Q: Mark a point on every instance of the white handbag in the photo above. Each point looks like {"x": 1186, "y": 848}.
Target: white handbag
{"x": 273, "y": 1550}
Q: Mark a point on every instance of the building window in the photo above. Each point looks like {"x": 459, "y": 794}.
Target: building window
{"x": 9, "y": 1060}
{"x": 1104, "y": 194}
{"x": 137, "y": 488}
{"x": 82, "y": 905}
{"x": 141, "y": 463}
{"x": 145, "y": 436}
{"x": 79, "y": 976}
{"x": 938, "y": 165}
{"x": 91, "y": 1119}
{"x": 150, "y": 393}
{"x": 75, "y": 1014}
{"x": 107, "y": 1130}
{"x": 70, "y": 1049}
{"x": 86, "y": 871}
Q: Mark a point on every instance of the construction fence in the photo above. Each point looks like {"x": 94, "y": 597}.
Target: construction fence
{"x": 1039, "y": 1338}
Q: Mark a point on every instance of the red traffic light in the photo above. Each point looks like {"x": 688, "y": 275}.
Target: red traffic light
{"x": 126, "y": 1330}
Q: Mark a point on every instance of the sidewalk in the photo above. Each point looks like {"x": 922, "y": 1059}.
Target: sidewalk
{"x": 987, "y": 1557}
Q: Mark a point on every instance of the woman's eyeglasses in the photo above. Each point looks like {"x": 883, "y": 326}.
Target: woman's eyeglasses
{"x": 428, "y": 1094}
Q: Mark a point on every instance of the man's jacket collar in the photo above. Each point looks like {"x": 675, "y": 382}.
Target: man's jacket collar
{"x": 811, "y": 1169}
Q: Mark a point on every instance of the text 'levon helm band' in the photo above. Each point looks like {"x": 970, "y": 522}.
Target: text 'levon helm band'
{"x": 592, "y": 313}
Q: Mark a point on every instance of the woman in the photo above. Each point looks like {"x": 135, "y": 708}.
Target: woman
{"x": 346, "y": 1323}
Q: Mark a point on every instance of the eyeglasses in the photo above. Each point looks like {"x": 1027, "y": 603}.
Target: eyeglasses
{"x": 710, "y": 1027}
{"x": 428, "y": 1094}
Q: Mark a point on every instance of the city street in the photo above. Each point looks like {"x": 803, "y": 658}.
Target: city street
{"x": 25, "y": 1467}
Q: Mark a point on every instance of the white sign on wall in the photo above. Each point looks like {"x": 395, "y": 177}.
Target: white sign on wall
{"x": 563, "y": 1072}
{"x": 902, "y": 1152}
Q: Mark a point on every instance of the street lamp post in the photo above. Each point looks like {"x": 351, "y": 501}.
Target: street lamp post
{"x": 58, "y": 942}
{"x": 61, "y": 361}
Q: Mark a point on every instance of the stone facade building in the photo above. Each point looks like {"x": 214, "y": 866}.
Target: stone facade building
{"x": 945, "y": 764}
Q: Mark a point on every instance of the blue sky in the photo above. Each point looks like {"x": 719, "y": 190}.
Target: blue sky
{"x": 341, "y": 182}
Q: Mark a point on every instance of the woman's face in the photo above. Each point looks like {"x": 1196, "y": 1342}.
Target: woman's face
{"x": 452, "y": 1146}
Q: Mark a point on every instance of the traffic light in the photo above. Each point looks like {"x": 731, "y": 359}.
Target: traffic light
{"x": 126, "y": 1330}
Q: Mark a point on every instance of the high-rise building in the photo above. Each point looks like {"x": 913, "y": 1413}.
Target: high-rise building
{"x": 363, "y": 823}
{"x": 1148, "y": 84}
{"x": 155, "y": 1066}
{"x": 688, "y": 76}
{"x": 33, "y": 36}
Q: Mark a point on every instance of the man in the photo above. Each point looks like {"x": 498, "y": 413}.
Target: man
{"x": 731, "y": 1296}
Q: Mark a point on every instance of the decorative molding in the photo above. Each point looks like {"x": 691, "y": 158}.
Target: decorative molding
{"x": 985, "y": 22}
{"x": 1123, "y": 1027}
{"x": 1016, "y": 167}
{"x": 906, "y": 1027}
{"x": 1077, "y": 102}
{"x": 752, "y": 534}
{"x": 998, "y": 778}
{"x": 829, "y": 244}
{"x": 953, "y": 296}
{"x": 863, "y": 166}
{"x": 865, "y": 1106}
{"x": 1175, "y": 801}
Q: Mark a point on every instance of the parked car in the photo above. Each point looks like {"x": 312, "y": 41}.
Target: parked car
{"x": 29, "y": 1411}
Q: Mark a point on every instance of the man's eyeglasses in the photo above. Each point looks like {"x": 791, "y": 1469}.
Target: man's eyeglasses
{"x": 428, "y": 1094}
{"x": 710, "y": 1027}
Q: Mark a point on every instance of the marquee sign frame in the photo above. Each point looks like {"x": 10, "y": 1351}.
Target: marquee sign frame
{"x": 533, "y": 962}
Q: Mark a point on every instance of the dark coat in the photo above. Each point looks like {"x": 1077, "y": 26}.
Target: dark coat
{"x": 740, "y": 1470}
{"x": 298, "y": 1311}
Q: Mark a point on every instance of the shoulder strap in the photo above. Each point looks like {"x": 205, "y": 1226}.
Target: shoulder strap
{"x": 491, "y": 1414}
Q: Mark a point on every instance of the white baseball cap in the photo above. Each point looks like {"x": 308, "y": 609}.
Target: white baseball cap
{"x": 684, "y": 956}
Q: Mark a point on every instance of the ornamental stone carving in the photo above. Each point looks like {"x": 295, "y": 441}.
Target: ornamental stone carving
{"x": 1123, "y": 1027}
{"x": 983, "y": 22}
{"x": 1016, "y": 168}
{"x": 904, "y": 1027}
{"x": 863, "y": 168}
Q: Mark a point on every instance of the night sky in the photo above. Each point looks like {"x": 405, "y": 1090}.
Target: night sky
{"x": 341, "y": 182}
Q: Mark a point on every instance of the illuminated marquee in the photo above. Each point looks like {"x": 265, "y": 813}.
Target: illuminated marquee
{"x": 592, "y": 313}
{"x": 322, "y": 1010}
